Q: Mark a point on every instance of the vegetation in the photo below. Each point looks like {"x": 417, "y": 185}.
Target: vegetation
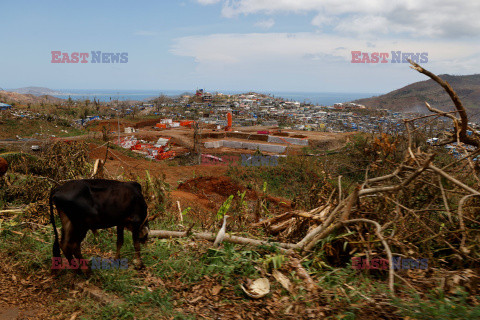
{"x": 379, "y": 197}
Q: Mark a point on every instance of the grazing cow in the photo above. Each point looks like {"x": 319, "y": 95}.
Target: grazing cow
{"x": 92, "y": 204}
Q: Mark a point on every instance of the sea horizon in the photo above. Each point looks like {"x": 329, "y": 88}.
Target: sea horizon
{"x": 319, "y": 98}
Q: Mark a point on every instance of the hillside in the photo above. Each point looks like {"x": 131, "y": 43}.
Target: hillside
{"x": 411, "y": 98}
{"x": 37, "y": 91}
{"x": 18, "y": 98}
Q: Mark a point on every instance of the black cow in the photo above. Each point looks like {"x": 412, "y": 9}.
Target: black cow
{"x": 92, "y": 204}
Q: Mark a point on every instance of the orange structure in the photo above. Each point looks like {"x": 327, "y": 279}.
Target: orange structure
{"x": 186, "y": 123}
{"x": 229, "y": 122}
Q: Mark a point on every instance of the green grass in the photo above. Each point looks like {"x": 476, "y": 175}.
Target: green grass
{"x": 230, "y": 263}
{"x": 26, "y": 248}
{"x": 33, "y": 128}
{"x": 440, "y": 307}
{"x": 170, "y": 259}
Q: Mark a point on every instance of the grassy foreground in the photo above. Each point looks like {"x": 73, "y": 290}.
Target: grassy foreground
{"x": 184, "y": 279}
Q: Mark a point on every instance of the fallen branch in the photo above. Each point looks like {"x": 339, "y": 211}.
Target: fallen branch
{"x": 452, "y": 179}
{"x": 444, "y": 197}
{"x": 281, "y": 226}
{"x": 282, "y": 221}
{"x": 319, "y": 216}
{"x": 318, "y": 230}
{"x": 274, "y": 220}
{"x": 165, "y": 234}
{"x": 302, "y": 273}
{"x": 20, "y": 210}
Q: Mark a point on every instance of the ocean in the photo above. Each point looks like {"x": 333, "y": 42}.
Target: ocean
{"x": 319, "y": 98}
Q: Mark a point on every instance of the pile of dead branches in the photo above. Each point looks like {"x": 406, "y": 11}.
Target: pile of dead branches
{"x": 30, "y": 177}
{"x": 59, "y": 160}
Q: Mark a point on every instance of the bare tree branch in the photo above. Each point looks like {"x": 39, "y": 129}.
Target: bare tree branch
{"x": 461, "y": 125}
{"x": 378, "y": 232}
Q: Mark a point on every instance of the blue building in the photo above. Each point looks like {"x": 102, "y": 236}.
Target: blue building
{"x": 4, "y": 106}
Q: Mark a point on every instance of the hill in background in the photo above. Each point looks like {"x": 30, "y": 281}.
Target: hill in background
{"x": 412, "y": 98}
{"x": 37, "y": 91}
{"x": 18, "y": 98}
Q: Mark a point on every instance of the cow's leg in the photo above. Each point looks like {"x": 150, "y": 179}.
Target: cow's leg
{"x": 62, "y": 239}
{"x": 66, "y": 230}
{"x": 136, "y": 244}
{"x": 71, "y": 248}
{"x": 119, "y": 240}
{"x": 77, "y": 251}
{"x": 66, "y": 236}
{"x": 71, "y": 240}
{"x": 67, "y": 247}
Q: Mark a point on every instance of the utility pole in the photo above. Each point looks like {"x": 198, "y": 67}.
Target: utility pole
{"x": 196, "y": 141}
{"x": 118, "y": 119}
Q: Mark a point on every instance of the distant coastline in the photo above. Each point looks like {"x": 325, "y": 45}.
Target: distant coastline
{"x": 319, "y": 98}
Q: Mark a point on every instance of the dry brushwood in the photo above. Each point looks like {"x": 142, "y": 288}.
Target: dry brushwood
{"x": 409, "y": 212}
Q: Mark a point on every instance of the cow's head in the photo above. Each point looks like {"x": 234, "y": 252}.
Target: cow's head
{"x": 144, "y": 230}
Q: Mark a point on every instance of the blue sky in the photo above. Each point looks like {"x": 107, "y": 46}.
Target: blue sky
{"x": 264, "y": 45}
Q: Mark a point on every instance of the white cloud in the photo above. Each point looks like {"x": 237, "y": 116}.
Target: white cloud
{"x": 365, "y": 25}
{"x": 429, "y": 18}
{"x": 233, "y": 48}
{"x": 322, "y": 19}
{"x": 265, "y": 24}
{"x": 317, "y": 62}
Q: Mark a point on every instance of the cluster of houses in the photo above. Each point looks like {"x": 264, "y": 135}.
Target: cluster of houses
{"x": 260, "y": 109}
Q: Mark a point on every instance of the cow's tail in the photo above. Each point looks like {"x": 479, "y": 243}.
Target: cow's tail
{"x": 56, "y": 245}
